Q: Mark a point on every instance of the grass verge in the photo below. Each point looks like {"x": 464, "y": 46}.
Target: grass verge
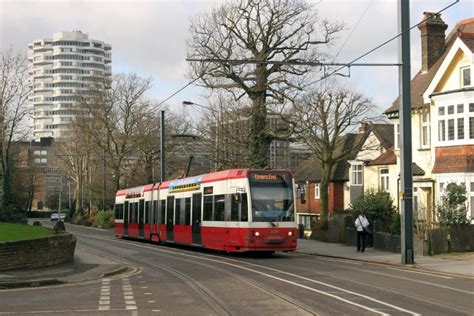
{"x": 14, "y": 232}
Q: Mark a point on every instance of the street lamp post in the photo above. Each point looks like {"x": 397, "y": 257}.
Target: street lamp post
{"x": 218, "y": 122}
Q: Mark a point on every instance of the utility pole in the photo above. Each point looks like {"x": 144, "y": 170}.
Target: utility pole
{"x": 162, "y": 146}
{"x": 406, "y": 180}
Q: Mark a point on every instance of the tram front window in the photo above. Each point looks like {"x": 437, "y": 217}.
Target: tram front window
{"x": 272, "y": 201}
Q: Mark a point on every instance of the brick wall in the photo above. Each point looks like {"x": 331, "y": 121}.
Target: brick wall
{"x": 312, "y": 205}
{"x": 37, "y": 252}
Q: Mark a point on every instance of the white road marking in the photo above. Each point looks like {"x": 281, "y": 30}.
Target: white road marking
{"x": 422, "y": 282}
{"x": 104, "y": 300}
{"x": 430, "y": 274}
{"x": 205, "y": 257}
{"x": 128, "y": 297}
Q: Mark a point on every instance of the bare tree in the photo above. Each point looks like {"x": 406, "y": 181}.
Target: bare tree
{"x": 325, "y": 118}
{"x": 285, "y": 31}
{"x": 112, "y": 117}
{"x": 14, "y": 93}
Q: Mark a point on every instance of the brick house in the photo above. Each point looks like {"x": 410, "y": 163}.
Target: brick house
{"x": 442, "y": 118}
{"x": 347, "y": 180}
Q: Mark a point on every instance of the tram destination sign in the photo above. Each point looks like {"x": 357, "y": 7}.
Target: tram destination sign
{"x": 269, "y": 177}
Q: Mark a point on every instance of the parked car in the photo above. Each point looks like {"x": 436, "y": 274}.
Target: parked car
{"x": 55, "y": 216}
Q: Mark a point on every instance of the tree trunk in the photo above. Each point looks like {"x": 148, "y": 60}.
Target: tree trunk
{"x": 7, "y": 188}
{"x": 259, "y": 141}
{"x": 324, "y": 189}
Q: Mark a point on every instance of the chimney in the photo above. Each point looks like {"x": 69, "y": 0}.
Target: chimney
{"x": 364, "y": 127}
{"x": 433, "y": 39}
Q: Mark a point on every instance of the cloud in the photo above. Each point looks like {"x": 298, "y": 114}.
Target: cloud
{"x": 148, "y": 37}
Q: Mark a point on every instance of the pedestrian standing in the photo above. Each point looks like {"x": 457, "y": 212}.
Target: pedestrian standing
{"x": 362, "y": 226}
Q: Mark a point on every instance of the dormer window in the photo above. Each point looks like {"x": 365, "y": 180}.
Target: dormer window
{"x": 465, "y": 76}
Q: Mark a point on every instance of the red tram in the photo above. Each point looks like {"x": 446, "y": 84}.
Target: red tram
{"x": 234, "y": 210}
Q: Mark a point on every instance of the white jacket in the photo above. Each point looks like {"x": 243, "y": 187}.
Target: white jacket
{"x": 361, "y": 222}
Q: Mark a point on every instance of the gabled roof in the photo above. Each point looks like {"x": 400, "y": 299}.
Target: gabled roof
{"x": 459, "y": 44}
{"x": 421, "y": 81}
{"x": 384, "y": 133}
{"x": 310, "y": 169}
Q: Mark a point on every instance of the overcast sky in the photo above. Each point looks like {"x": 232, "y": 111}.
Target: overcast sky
{"x": 148, "y": 36}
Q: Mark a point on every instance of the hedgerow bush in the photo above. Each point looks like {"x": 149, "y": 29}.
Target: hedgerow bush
{"x": 453, "y": 207}
{"x": 104, "y": 219}
{"x": 378, "y": 207}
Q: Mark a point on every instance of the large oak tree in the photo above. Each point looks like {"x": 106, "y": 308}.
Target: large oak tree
{"x": 287, "y": 32}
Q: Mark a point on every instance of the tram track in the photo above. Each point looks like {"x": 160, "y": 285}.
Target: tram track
{"x": 342, "y": 295}
{"x": 264, "y": 289}
{"x": 418, "y": 297}
{"x": 293, "y": 303}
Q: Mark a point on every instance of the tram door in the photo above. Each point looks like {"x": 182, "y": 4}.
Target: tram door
{"x": 169, "y": 218}
{"x": 141, "y": 216}
{"x": 125, "y": 219}
{"x": 196, "y": 226}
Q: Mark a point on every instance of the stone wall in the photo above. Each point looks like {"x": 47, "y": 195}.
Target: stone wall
{"x": 37, "y": 252}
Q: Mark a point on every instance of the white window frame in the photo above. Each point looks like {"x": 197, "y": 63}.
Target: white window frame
{"x": 397, "y": 135}
{"x": 384, "y": 180}
{"x": 460, "y": 118}
{"x": 317, "y": 190}
{"x": 425, "y": 130}
{"x": 462, "y": 73}
{"x": 354, "y": 173}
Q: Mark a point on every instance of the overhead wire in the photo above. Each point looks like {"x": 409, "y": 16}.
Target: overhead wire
{"x": 333, "y": 72}
{"x": 377, "y": 47}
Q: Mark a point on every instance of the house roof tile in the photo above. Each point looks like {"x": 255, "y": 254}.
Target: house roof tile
{"x": 454, "y": 163}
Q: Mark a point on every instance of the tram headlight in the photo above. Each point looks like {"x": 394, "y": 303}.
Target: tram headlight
{"x": 256, "y": 234}
{"x": 290, "y": 233}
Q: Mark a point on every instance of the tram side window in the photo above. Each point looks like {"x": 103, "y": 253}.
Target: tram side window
{"x": 147, "y": 212}
{"x": 207, "y": 211}
{"x": 187, "y": 211}
{"x": 177, "y": 215}
{"x": 132, "y": 212}
{"x": 234, "y": 207}
{"x": 155, "y": 212}
{"x": 141, "y": 212}
{"x": 126, "y": 214}
{"x": 118, "y": 211}
{"x": 219, "y": 207}
{"x": 162, "y": 211}
{"x": 244, "y": 211}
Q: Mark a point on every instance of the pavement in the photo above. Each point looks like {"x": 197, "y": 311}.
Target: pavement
{"x": 460, "y": 264}
{"x": 88, "y": 266}
{"x": 85, "y": 267}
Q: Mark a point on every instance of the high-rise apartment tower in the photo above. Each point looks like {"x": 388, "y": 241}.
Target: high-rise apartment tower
{"x": 60, "y": 68}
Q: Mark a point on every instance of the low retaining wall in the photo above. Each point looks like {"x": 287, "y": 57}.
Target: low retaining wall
{"x": 37, "y": 252}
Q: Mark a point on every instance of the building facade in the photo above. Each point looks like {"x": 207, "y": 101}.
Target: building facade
{"x": 442, "y": 118}
{"x": 60, "y": 69}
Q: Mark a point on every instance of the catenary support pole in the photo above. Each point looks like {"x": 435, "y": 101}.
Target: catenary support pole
{"x": 406, "y": 180}
{"x": 162, "y": 146}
